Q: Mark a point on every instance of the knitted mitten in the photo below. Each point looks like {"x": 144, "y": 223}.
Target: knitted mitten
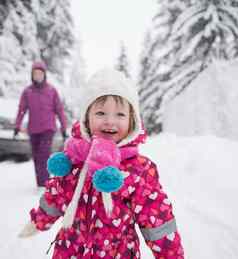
{"x": 28, "y": 230}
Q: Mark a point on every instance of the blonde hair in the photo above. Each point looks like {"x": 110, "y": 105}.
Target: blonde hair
{"x": 117, "y": 99}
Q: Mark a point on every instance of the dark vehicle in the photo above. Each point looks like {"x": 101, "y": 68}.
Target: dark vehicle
{"x": 19, "y": 149}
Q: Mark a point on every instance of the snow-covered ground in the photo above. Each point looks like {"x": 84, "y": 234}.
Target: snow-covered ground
{"x": 199, "y": 174}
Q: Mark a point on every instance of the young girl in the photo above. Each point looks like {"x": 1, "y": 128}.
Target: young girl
{"x": 110, "y": 186}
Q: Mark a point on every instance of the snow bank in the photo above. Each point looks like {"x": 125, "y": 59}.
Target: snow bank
{"x": 200, "y": 177}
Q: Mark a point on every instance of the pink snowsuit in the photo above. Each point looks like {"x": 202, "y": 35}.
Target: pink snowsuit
{"x": 96, "y": 235}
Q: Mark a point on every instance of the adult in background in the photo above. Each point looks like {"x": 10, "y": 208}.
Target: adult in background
{"x": 42, "y": 102}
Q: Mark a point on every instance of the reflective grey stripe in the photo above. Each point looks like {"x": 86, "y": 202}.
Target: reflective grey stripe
{"x": 159, "y": 232}
{"x": 50, "y": 210}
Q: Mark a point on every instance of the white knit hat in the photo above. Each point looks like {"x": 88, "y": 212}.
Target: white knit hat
{"x": 104, "y": 82}
{"x": 110, "y": 82}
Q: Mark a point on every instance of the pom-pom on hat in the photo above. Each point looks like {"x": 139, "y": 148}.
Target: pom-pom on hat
{"x": 110, "y": 82}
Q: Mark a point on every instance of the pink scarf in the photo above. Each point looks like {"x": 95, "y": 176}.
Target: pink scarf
{"x": 97, "y": 154}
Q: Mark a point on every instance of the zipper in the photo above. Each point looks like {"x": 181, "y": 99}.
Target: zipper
{"x": 89, "y": 212}
{"x": 51, "y": 244}
{"x": 89, "y": 207}
{"x": 132, "y": 254}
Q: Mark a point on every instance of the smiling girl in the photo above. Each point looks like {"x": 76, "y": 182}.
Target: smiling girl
{"x": 110, "y": 186}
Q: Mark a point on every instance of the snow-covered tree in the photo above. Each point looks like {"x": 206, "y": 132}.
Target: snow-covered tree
{"x": 76, "y": 78}
{"x": 145, "y": 73}
{"x": 18, "y": 47}
{"x": 3, "y": 13}
{"x": 54, "y": 33}
{"x": 32, "y": 30}
{"x": 145, "y": 63}
{"x": 9, "y": 51}
{"x": 27, "y": 4}
{"x": 122, "y": 61}
{"x": 207, "y": 29}
{"x": 156, "y": 62}
{"x": 201, "y": 31}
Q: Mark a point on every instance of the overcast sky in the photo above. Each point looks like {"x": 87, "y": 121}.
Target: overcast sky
{"x": 104, "y": 23}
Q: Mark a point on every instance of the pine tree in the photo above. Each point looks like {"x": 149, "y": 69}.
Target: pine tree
{"x": 33, "y": 30}
{"x": 146, "y": 63}
{"x": 76, "y": 80}
{"x": 54, "y": 33}
{"x": 3, "y": 13}
{"x": 198, "y": 33}
{"x": 18, "y": 48}
{"x": 208, "y": 30}
{"x": 122, "y": 62}
{"x": 156, "y": 64}
{"x": 27, "y": 4}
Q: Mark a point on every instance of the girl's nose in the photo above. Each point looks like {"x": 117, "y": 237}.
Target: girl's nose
{"x": 109, "y": 120}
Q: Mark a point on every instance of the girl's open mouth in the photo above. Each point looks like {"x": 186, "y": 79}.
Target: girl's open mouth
{"x": 109, "y": 132}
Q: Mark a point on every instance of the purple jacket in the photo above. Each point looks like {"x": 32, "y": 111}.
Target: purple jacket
{"x": 43, "y": 104}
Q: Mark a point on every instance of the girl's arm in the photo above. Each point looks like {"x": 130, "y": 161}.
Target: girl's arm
{"x": 54, "y": 201}
{"x": 153, "y": 213}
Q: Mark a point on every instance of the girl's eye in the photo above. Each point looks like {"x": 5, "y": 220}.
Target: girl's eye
{"x": 121, "y": 114}
{"x": 100, "y": 113}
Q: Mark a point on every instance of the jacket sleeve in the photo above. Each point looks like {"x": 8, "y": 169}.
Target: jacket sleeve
{"x": 54, "y": 201}
{"x": 59, "y": 110}
{"x": 153, "y": 213}
{"x": 22, "y": 108}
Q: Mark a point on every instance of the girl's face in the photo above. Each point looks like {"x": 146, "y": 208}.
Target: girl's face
{"x": 109, "y": 119}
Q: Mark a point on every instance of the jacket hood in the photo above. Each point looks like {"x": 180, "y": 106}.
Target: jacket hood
{"x": 42, "y": 66}
{"x": 39, "y": 65}
{"x": 110, "y": 82}
{"x": 140, "y": 139}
